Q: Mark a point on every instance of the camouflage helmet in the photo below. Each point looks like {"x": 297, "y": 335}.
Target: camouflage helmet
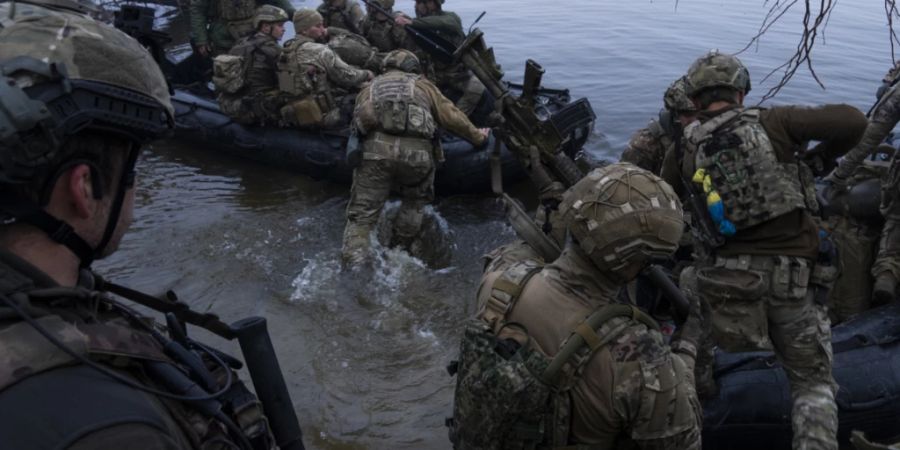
{"x": 401, "y": 59}
{"x": 623, "y": 217}
{"x": 55, "y": 81}
{"x": 717, "y": 70}
{"x": 305, "y": 19}
{"x": 676, "y": 100}
{"x": 269, "y": 13}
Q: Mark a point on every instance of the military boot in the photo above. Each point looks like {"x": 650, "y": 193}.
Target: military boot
{"x": 885, "y": 289}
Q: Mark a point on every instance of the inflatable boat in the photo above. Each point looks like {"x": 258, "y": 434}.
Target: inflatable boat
{"x": 321, "y": 154}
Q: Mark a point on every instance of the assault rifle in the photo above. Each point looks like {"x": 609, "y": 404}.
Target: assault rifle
{"x": 434, "y": 45}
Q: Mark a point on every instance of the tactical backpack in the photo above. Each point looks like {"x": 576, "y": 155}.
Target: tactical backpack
{"x": 510, "y": 395}
{"x": 394, "y": 108}
{"x": 230, "y": 73}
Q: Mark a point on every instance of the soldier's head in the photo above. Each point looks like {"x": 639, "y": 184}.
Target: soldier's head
{"x": 309, "y": 23}
{"x": 426, "y": 8}
{"x": 387, "y": 5}
{"x": 78, "y": 101}
{"x": 402, "y": 60}
{"x": 678, "y": 104}
{"x": 270, "y": 20}
{"x": 622, "y": 217}
{"x": 717, "y": 79}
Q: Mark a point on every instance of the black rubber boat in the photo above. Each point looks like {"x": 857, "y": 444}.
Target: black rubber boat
{"x": 321, "y": 154}
{"x": 753, "y": 410}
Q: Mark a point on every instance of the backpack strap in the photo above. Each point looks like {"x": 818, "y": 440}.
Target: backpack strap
{"x": 505, "y": 291}
{"x": 566, "y": 367}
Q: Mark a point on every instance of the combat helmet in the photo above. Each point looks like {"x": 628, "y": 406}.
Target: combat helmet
{"x": 623, "y": 217}
{"x": 675, "y": 99}
{"x": 269, "y": 13}
{"x": 92, "y": 78}
{"x": 401, "y": 59}
{"x": 305, "y": 19}
{"x": 717, "y": 70}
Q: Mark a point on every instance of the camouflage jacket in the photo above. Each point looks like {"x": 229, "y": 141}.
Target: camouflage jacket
{"x": 444, "y": 112}
{"x": 631, "y": 390}
{"x": 648, "y": 147}
{"x": 337, "y": 73}
{"x": 84, "y": 408}
{"x": 348, "y": 16}
{"x": 212, "y": 21}
{"x": 448, "y": 26}
{"x": 261, "y": 52}
{"x": 882, "y": 120}
{"x": 385, "y": 35}
{"x": 354, "y": 49}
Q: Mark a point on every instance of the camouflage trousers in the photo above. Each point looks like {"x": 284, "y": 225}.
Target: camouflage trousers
{"x": 411, "y": 174}
{"x": 888, "y": 259}
{"x": 856, "y": 243}
{"x": 761, "y": 302}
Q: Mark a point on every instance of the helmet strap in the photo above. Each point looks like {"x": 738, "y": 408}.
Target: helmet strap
{"x": 125, "y": 179}
{"x": 28, "y": 212}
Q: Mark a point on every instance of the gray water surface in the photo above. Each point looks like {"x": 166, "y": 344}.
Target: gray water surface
{"x": 364, "y": 357}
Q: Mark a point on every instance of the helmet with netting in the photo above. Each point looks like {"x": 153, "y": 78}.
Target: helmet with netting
{"x": 66, "y": 73}
{"x": 269, "y": 13}
{"x": 401, "y": 59}
{"x": 717, "y": 70}
{"x": 623, "y": 217}
{"x": 675, "y": 98}
{"x": 305, "y": 19}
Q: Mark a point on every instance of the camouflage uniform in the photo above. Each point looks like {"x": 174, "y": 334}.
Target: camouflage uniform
{"x": 623, "y": 387}
{"x": 648, "y": 147}
{"x": 758, "y": 273}
{"x": 221, "y": 23}
{"x": 395, "y": 160}
{"x": 56, "y": 398}
{"x": 384, "y": 33}
{"x": 452, "y": 78}
{"x": 884, "y": 117}
{"x": 354, "y": 49}
{"x": 260, "y": 101}
{"x": 312, "y": 72}
{"x": 347, "y": 15}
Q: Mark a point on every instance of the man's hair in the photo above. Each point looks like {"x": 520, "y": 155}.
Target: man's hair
{"x": 104, "y": 152}
{"x": 711, "y": 95}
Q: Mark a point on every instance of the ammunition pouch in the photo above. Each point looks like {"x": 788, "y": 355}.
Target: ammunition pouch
{"x": 304, "y": 113}
{"x": 229, "y": 73}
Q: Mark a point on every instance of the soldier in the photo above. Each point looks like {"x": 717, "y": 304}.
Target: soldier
{"x": 757, "y": 268}
{"x": 248, "y": 85}
{"x": 552, "y": 360}
{"x": 648, "y": 146}
{"x": 455, "y": 78}
{"x": 345, "y": 14}
{"x": 216, "y": 25}
{"x": 84, "y": 370}
{"x": 883, "y": 118}
{"x": 396, "y": 118}
{"x": 318, "y": 79}
{"x": 381, "y": 30}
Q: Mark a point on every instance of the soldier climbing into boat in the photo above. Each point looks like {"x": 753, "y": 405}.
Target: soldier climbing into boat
{"x": 761, "y": 267}
{"x": 344, "y": 14}
{"x": 453, "y": 79}
{"x": 246, "y": 78}
{"x": 553, "y": 360}
{"x": 396, "y": 118}
{"x": 320, "y": 83}
{"x": 216, "y": 25}
{"x": 882, "y": 120}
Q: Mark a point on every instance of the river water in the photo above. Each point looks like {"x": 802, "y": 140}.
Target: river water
{"x": 364, "y": 357}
